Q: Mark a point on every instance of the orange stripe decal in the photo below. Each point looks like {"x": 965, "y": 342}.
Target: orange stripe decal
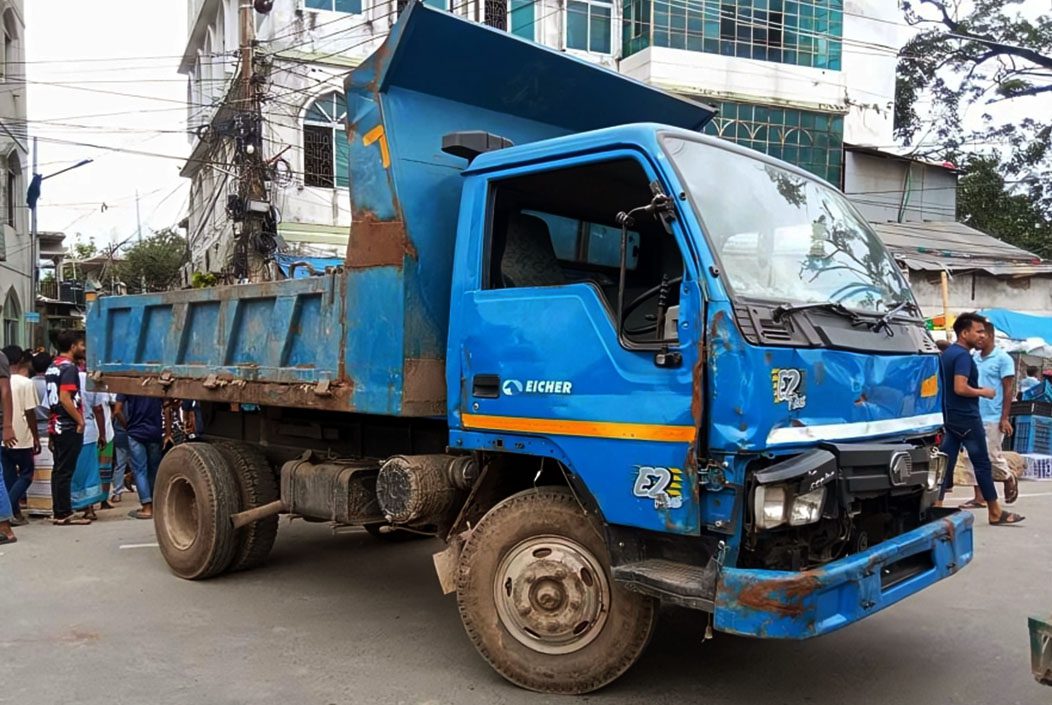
{"x": 377, "y": 133}
{"x": 593, "y": 429}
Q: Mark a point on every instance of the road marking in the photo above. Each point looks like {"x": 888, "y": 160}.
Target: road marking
{"x": 139, "y": 545}
{"x": 1036, "y": 494}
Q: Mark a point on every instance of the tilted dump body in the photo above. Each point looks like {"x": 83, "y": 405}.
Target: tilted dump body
{"x": 372, "y": 337}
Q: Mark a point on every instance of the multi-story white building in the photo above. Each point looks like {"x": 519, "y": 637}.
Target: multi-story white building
{"x": 793, "y": 78}
{"x": 16, "y": 256}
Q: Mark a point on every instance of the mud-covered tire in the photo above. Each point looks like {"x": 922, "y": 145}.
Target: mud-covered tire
{"x": 257, "y": 486}
{"x": 195, "y": 495}
{"x": 534, "y": 566}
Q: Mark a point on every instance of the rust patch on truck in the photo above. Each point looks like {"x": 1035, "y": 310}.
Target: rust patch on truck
{"x": 377, "y": 243}
{"x": 783, "y": 597}
{"x": 424, "y": 389}
{"x": 335, "y": 396}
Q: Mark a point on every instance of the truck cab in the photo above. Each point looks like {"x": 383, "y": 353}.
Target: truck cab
{"x": 743, "y": 364}
{"x": 610, "y": 361}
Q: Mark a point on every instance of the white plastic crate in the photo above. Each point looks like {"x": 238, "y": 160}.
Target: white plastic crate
{"x": 1038, "y": 467}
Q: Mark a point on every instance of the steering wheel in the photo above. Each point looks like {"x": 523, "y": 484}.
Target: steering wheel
{"x": 635, "y": 303}
{"x": 855, "y": 287}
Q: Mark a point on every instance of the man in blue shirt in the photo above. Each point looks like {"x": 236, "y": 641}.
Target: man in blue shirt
{"x": 997, "y": 372}
{"x": 142, "y": 419}
{"x": 964, "y": 425}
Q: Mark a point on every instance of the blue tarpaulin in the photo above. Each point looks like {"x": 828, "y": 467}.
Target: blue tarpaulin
{"x": 1020, "y": 326}
{"x": 318, "y": 264}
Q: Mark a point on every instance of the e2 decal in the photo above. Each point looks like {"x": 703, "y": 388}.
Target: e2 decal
{"x": 663, "y": 485}
{"x": 788, "y": 387}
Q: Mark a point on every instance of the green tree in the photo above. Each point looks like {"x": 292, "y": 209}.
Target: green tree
{"x": 154, "y": 263}
{"x": 986, "y": 202}
{"x": 81, "y": 249}
{"x": 966, "y": 57}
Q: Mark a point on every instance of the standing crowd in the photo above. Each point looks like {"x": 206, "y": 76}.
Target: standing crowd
{"x": 98, "y": 443}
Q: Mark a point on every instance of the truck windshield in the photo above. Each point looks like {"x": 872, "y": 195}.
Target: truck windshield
{"x": 782, "y": 236}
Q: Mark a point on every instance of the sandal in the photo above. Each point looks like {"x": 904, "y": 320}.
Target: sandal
{"x": 1011, "y": 489}
{"x": 972, "y": 504}
{"x": 5, "y": 539}
{"x": 137, "y": 514}
{"x": 71, "y": 521}
{"x": 1007, "y": 518}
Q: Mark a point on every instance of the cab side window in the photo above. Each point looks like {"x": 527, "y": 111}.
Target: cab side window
{"x": 558, "y": 227}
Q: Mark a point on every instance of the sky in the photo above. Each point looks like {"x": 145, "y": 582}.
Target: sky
{"x": 108, "y": 45}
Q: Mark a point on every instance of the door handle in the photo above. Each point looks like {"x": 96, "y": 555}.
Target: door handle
{"x": 486, "y": 386}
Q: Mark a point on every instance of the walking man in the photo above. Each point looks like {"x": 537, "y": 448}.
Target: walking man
{"x": 17, "y": 460}
{"x": 141, "y": 418}
{"x": 964, "y": 425}
{"x": 66, "y": 427}
{"x": 6, "y": 513}
{"x": 997, "y": 372}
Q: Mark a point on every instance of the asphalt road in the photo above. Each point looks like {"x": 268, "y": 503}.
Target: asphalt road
{"x": 91, "y": 615}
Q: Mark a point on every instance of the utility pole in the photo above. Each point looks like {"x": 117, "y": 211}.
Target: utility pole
{"x": 253, "y": 207}
{"x": 34, "y": 255}
{"x": 32, "y": 196}
{"x": 138, "y": 218}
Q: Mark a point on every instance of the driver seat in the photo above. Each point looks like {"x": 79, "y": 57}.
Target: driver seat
{"x": 529, "y": 257}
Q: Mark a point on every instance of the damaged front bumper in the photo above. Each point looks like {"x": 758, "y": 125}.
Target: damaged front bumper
{"x": 797, "y": 605}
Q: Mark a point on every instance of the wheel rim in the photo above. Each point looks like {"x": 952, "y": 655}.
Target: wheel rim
{"x": 552, "y": 594}
{"x": 180, "y": 517}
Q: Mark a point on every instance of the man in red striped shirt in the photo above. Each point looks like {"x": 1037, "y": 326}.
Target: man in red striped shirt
{"x": 66, "y": 425}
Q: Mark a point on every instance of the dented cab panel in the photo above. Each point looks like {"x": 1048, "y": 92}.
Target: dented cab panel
{"x": 778, "y": 398}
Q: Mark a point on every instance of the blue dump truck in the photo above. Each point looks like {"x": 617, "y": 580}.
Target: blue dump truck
{"x": 609, "y": 361}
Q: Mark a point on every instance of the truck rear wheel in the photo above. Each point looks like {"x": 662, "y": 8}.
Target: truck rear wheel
{"x": 195, "y": 495}
{"x": 537, "y": 600}
{"x": 257, "y": 486}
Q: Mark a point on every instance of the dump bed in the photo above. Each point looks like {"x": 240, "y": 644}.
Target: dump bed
{"x": 371, "y": 336}
{"x": 277, "y": 342}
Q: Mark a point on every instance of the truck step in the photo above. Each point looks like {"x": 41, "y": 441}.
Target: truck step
{"x": 680, "y": 584}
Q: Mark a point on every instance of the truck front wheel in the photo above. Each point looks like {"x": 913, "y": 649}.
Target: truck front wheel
{"x": 195, "y": 494}
{"x": 537, "y": 600}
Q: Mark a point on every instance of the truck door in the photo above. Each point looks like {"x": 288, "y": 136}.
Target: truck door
{"x": 543, "y": 368}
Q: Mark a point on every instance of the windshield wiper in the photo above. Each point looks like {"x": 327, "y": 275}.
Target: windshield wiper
{"x": 784, "y": 310}
{"x": 884, "y": 322}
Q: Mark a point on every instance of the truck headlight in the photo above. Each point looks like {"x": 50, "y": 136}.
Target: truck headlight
{"x": 774, "y": 505}
{"x": 807, "y": 508}
{"x": 936, "y": 470}
{"x": 769, "y": 506}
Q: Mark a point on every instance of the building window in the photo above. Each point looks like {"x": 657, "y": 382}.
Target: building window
{"x": 12, "y": 318}
{"x": 352, "y": 6}
{"x": 515, "y": 16}
{"x": 440, "y": 4}
{"x": 811, "y": 140}
{"x": 325, "y": 146}
{"x": 800, "y": 32}
{"x": 495, "y": 14}
{"x": 10, "y": 56}
{"x": 588, "y": 26}
{"x": 12, "y": 180}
